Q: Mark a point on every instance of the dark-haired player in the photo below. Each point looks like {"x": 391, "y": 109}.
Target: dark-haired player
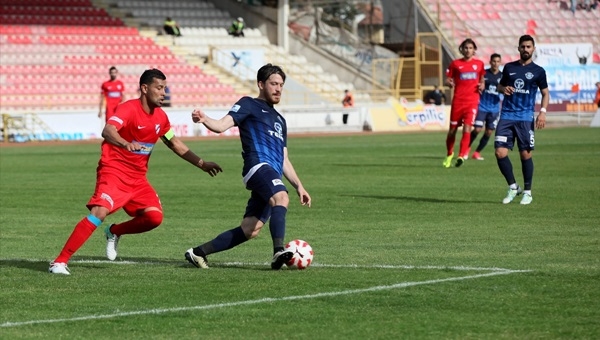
{"x": 263, "y": 133}
{"x": 519, "y": 84}
{"x": 129, "y": 138}
{"x": 466, "y": 76}
{"x": 111, "y": 94}
{"x": 489, "y": 106}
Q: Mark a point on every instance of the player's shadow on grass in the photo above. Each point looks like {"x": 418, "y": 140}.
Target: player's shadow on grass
{"x": 99, "y": 262}
{"x": 37, "y": 266}
{"x": 401, "y": 164}
{"x": 422, "y": 199}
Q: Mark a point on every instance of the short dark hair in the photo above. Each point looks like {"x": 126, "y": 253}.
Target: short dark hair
{"x": 149, "y": 75}
{"x": 495, "y": 55}
{"x": 268, "y": 70}
{"x": 526, "y": 37}
{"x": 463, "y": 45}
{"x": 112, "y": 68}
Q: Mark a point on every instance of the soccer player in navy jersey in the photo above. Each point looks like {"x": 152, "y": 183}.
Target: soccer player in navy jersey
{"x": 263, "y": 133}
{"x": 519, "y": 84}
{"x": 489, "y": 106}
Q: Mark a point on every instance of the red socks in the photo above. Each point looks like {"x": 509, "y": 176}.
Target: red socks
{"x": 139, "y": 224}
{"x": 450, "y": 144}
{"x": 464, "y": 144}
{"x": 85, "y": 228}
{"x": 82, "y": 232}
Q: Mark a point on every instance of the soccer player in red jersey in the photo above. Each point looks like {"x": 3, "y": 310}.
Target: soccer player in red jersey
{"x": 466, "y": 76}
{"x": 111, "y": 94}
{"x": 129, "y": 137}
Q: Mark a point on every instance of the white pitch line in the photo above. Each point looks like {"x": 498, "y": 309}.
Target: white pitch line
{"x": 258, "y": 301}
{"x": 232, "y": 264}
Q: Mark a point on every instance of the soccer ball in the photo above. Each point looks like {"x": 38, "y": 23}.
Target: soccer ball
{"x": 303, "y": 254}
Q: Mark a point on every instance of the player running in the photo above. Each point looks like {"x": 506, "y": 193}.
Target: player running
{"x": 466, "y": 76}
{"x": 489, "y": 106}
{"x": 129, "y": 138}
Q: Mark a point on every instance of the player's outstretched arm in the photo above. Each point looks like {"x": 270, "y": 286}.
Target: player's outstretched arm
{"x": 213, "y": 125}
{"x": 290, "y": 173}
{"x": 183, "y": 151}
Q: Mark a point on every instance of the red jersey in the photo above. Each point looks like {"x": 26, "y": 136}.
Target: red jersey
{"x": 466, "y": 76}
{"x": 133, "y": 124}
{"x": 113, "y": 93}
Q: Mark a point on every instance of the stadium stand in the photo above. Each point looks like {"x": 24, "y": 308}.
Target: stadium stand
{"x": 495, "y": 26}
{"x": 52, "y": 61}
{"x": 56, "y": 53}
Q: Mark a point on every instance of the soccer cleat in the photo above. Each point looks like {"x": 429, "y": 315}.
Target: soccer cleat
{"x": 198, "y": 261}
{"x": 460, "y": 161}
{"x": 280, "y": 258}
{"x": 511, "y": 194}
{"x": 59, "y": 268}
{"x": 526, "y": 199}
{"x": 448, "y": 161}
{"x": 112, "y": 241}
{"x": 477, "y": 156}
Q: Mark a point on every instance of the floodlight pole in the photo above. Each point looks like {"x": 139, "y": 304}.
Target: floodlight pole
{"x": 283, "y": 14}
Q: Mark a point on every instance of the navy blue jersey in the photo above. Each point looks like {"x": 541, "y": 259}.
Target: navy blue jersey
{"x": 526, "y": 79}
{"x": 263, "y": 133}
{"x": 490, "y": 98}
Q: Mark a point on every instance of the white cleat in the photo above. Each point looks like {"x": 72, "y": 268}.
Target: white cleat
{"x": 112, "y": 241}
{"x": 511, "y": 194}
{"x": 59, "y": 268}
{"x": 526, "y": 199}
{"x": 198, "y": 261}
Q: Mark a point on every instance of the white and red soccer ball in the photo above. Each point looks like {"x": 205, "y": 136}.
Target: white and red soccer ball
{"x": 303, "y": 254}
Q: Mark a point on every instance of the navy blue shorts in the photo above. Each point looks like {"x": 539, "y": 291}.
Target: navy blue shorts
{"x": 265, "y": 183}
{"x": 508, "y": 130}
{"x": 487, "y": 119}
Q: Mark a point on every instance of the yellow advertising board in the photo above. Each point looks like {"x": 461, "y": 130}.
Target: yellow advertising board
{"x": 401, "y": 115}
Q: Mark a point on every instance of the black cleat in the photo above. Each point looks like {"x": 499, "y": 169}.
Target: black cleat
{"x": 280, "y": 258}
{"x": 198, "y": 261}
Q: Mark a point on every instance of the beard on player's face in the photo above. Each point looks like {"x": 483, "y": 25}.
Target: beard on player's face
{"x": 525, "y": 55}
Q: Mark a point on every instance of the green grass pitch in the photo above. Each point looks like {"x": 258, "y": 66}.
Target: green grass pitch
{"x": 404, "y": 249}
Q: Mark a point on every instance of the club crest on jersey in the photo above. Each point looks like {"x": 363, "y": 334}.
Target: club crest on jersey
{"x": 157, "y": 128}
{"x": 278, "y": 131}
{"x": 475, "y": 67}
{"x": 528, "y": 75}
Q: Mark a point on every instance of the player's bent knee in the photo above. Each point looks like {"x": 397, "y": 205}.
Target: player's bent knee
{"x": 281, "y": 198}
{"x": 154, "y": 218}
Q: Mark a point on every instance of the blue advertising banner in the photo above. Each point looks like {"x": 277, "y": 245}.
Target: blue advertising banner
{"x": 561, "y": 80}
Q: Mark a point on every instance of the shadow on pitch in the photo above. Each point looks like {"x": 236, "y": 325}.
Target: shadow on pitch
{"x": 99, "y": 262}
{"x": 421, "y": 199}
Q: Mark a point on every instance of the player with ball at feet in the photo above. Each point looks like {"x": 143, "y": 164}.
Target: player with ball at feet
{"x": 263, "y": 133}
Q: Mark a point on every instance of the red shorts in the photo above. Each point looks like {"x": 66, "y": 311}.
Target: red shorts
{"x": 463, "y": 114}
{"x": 113, "y": 193}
